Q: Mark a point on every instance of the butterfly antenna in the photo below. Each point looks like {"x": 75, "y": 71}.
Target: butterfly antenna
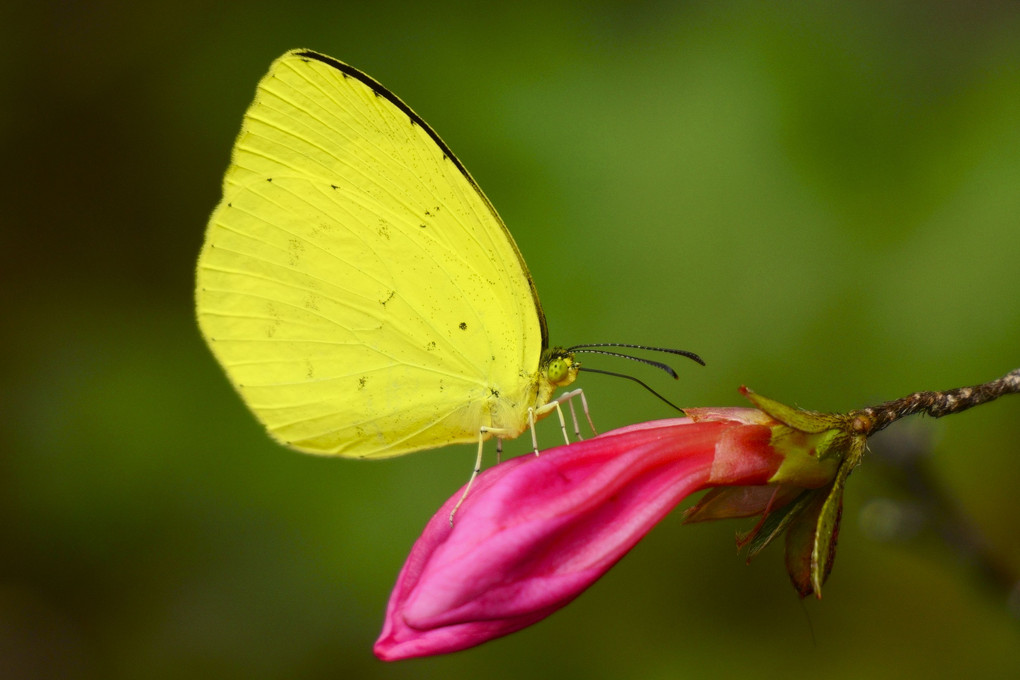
{"x": 649, "y": 362}
{"x": 639, "y": 382}
{"x": 667, "y": 350}
{"x": 594, "y": 349}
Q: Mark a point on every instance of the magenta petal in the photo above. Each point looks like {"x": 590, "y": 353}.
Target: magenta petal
{"x": 535, "y": 532}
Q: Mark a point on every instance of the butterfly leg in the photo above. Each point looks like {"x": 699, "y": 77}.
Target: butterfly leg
{"x": 573, "y": 418}
{"x": 569, "y": 398}
{"x": 534, "y": 414}
{"x": 482, "y": 431}
{"x": 587, "y": 413}
{"x": 531, "y": 428}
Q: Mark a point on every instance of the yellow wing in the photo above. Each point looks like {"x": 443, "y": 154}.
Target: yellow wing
{"x": 358, "y": 288}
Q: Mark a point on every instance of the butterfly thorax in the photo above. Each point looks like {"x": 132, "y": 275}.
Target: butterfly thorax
{"x": 509, "y": 412}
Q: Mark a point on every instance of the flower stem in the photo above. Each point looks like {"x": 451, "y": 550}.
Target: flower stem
{"x": 873, "y": 419}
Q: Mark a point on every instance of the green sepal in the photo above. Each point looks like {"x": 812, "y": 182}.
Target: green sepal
{"x": 814, "y": 445}
{"x": 802, "y": 543}
{"x": 810, "y": 460}
{"x": 811, "y": 537}
{"x": 772, "y": 526}
{"x": 811, "y": 422}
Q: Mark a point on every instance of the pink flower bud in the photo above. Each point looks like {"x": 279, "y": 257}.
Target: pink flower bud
{"x": 535, "y": 532}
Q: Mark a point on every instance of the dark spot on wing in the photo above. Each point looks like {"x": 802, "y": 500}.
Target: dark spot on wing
{"x": 463, "y": 325}
{"x": 295, "y": 250}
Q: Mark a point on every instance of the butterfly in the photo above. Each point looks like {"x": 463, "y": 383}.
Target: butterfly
{"x": 358, "y": 288}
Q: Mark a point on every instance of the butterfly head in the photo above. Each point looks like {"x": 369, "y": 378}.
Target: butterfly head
{"x": 559, "y": 368}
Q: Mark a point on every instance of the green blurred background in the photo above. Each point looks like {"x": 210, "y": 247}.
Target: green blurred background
{"x": 823, "y": 199}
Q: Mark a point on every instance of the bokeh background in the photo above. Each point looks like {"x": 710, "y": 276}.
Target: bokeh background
{"x": 823, "y": 199}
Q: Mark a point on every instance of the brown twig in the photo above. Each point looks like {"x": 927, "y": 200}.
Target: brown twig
{"x": 935, "y": 404}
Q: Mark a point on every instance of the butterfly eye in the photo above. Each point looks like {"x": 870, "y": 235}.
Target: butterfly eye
{"x": 559, "y": 370}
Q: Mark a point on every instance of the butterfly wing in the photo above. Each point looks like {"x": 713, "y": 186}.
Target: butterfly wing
{"x": 359, "y": 289}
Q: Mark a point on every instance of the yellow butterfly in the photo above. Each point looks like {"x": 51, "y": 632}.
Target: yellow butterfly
{"x": 358, "y": 287}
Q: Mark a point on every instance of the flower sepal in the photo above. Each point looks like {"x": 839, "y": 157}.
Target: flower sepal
{"x": 804, "y": 499}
